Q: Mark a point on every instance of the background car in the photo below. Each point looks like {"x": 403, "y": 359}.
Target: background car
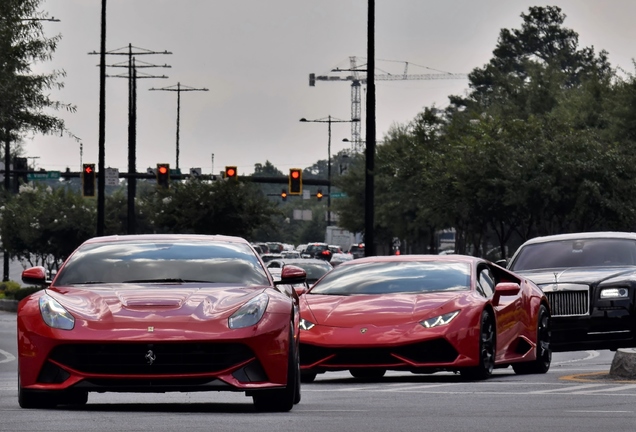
{"x": 318, "y": 251}
{"x": 423, "y": 314}
{"x": 590, "y": 281}
{"x": 159, "y": 313}
{"x": 314, "y": 268}
{"x": 357, "y": 250}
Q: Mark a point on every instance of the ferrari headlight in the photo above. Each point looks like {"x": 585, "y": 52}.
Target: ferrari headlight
{"x": 250, "y": 313}
{"x": 54, "y": 314}
{"x": 439, "y": 320}
{"x": 306, "y": 325}
{"x": 614, "y": 293}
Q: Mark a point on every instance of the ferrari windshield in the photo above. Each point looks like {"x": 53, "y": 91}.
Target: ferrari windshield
{"x": 148, "y": 261}
{"x": 576, "y": 253}
{"x": 395, "y": 277}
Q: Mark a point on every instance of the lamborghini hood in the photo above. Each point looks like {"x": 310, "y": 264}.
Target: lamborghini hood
{"x": 382, "y": 310}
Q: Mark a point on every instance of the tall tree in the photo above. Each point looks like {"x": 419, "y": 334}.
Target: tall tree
{"x": 24, "y": 95}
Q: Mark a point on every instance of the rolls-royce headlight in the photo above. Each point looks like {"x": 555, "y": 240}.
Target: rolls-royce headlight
{"x": 54, "y": 314}
{"x": 306, "y": 325}
{"x": 250, "y": 313}
{"x": 439, "y": 320}
{"x": 614, "y": 293}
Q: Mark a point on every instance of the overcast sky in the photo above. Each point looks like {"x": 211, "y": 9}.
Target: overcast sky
{"x": 255, "y": 56}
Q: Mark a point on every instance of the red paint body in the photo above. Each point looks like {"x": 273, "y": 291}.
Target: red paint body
{"x": 383, "y": 331}
{"x": 173, "y": 321}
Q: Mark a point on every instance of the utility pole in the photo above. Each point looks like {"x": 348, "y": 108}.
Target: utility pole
{"x": 132, "y": 75}
{"x": 369, "y": 193}
{"x": 178, "y": 89}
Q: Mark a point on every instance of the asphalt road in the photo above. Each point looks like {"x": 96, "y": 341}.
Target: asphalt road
{"x": 574, "y": 396}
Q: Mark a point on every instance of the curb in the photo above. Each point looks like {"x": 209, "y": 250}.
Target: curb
{"x": 8, "y": 305}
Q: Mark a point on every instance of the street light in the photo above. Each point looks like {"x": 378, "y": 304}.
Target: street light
{"x": 329, "y": 120}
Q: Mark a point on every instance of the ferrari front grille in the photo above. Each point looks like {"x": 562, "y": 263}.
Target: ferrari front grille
{"x": 435, "y": 351}
{"x": 568, "y": 303}
{"x": 151, "y": 359}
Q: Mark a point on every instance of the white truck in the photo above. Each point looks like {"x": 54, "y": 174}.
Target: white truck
{"x": 341, "y": 237}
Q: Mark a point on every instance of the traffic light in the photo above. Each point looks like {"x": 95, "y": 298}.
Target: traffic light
{"x": 21, "y": 167}
{"x": 231, "y": 172}
{"x": 283, "y": 195}
{"x": 319, "y": 194}
{"x": 88, "y": 180}
{"x": 163, "y": 175}
{"x": 295, "y": 181}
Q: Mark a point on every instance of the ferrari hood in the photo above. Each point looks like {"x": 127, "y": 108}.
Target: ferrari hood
{"x": 139, "y": 301}
{"x": 381, "y": 310}
{"x": 587, "y": 276}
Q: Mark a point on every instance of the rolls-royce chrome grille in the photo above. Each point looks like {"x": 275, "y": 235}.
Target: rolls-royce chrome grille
{"x": 568, "y": 299}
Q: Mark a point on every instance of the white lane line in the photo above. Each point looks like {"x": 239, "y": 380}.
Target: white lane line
{"x": 568, "y": 389}
{"x": 590, "y": 355}
{"x": 608, "y": 412}
{"x": 418, "y": 387}
{"x": 9, "y": 357}
{"x": 607, "y": 389}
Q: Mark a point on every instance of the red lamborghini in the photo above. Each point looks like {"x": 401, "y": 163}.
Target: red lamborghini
{"x": 423, "y": 314}
{"x": 160, "y": 313}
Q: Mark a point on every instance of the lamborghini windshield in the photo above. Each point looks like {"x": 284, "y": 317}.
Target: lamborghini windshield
{"x": 395, "y": 277}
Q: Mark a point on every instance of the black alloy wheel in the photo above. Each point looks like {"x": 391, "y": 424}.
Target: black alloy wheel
{"x": 487, "y": 347}
{"x": 544, "y": 351}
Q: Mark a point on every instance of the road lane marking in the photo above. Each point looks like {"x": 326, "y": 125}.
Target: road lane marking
{"x": 607, "y": 389}
{"x": 590, "y": 355}
{"x": 601, "y": 412}
{"x": 567, "y": 389}
{"x": 8, "y": 357}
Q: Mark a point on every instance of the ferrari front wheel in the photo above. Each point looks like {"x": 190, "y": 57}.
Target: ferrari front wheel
{"x": 487, "y": 346}
{"x": 367, "y": 374}
{"x": 282, "y": 400}
{"x": 544, "y": 352}
{"x": 308, "y": 377}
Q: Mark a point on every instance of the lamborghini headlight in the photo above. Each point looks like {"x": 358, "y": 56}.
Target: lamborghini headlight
{"x": 439, "y": 320}
{"x": 306, "y": 325}
{"x": 614, "y": 293}
{"x": 54, "y": 314}
{"x": 250, "y": 313}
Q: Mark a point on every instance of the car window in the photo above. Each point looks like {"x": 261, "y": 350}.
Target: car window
{"x": 205, "y": 261}
{"x": 395, "y": 277}
{"x": 485, "y": 282}
{"x": 575, "y": 253}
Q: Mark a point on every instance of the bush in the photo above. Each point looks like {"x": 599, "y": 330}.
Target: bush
{"x": 9, "y": 288}
{"x": 24, "y": 292}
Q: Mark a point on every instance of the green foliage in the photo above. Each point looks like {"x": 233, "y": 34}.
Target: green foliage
{"x": 26, "y": 291}
{"x": 42, "y": 226}
{"x": 25, "y": 96}
{"x": 8, "y": 289}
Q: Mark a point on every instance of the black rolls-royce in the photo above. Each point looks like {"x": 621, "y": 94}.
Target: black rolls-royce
{"x": 590, "y": 282}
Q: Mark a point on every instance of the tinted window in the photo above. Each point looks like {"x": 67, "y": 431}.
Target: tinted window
{"x": 576, "y": 253}
{"x": 205, "y": 261}
{"x": 395, "y": 277}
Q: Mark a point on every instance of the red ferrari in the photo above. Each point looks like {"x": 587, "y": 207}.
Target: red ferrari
{"x": 160, "y": 313}
{"x": 423, "y": 314}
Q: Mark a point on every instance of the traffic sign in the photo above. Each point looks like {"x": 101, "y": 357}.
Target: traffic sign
{"x": 338, "y": 195}
{"x": 111, "y": 177}
{"x": 43, "y": 175}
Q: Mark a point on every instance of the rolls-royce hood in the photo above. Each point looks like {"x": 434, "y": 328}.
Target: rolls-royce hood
{"x": 588, "y": 276}
{"x": 382, "y": 310}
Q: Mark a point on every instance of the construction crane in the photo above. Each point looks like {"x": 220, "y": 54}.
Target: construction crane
{"x": 359, "y": 77}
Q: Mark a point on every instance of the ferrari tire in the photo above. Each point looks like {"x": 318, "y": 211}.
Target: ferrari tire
{"x": 542, "y": 362}
{"x": 308, "y": 377}
{"x": 367, "y": 374}
{"x": 30, "y": 399}
{"x": 487, "y": 347}
{"x": 282, "y": 400}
